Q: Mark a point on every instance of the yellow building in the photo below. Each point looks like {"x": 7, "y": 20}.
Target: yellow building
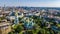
{"x": 5, "y": 28}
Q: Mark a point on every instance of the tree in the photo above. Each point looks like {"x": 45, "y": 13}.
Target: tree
{"x": 16, "y": 28}
{"x": 12, "y": 32}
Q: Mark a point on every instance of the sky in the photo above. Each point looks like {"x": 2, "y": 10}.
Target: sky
{"x": 31, "y": 3}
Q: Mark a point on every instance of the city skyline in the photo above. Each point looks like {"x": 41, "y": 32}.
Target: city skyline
{"x": 31, "y": 3}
